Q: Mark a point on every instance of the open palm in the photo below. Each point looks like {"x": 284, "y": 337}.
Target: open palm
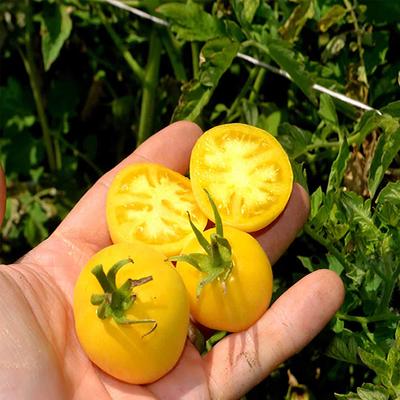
{"x": 40, "y": 357}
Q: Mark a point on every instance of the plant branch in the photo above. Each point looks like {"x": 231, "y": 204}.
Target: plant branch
{"x": 132, "y": 63}
{"x": 150, "y": 88}
{"x": 34, "y": 80}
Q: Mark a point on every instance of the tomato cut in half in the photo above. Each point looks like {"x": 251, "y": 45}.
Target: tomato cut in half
{"x": 149, "y": 203}
{"x": 246, "y": 172}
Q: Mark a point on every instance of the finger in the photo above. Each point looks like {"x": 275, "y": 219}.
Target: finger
{"x": 86, "y": 225}
{"x": 242, "y": 360}
{"x": 186, "y": 381}
{"x": 2, "y": 195}
{"x": 276, "y": 237}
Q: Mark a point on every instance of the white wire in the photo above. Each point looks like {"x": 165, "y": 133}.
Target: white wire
{"x": 251, "y": 60}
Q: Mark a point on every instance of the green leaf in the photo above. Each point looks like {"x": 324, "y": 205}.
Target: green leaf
{"x": 335, "y": 264}
{"x": 388, "y": 204}
{"x": 339, "y": 166}
{"x": 34, "y": 228}
{"x": 387, "y": 148}
{"x": 294, "y": 139}
{"x": 372, "y": 392}
{"x": 358, "y": 213}
{"x": 245, "y": 11}
{"x": 193, "y": 99}
{"x": 298, "y": 18}
{"x": 218, "y": 55}
{"x": 343, "y": 347}
{"x": 374, "y": 362}
{"x": 327, "y": 111}
{"x": 284, "y": 56}
{"x": 392, "y": 109}
{"x": 190, "y": 22}
{"x": 316, "y": 201}
{"x": 56, "y": 26}
{"x": 331, "y": 17}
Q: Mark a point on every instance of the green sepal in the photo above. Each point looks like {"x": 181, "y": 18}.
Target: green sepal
{"x": 217, "y": 262}
{"x": 114, "y": 302}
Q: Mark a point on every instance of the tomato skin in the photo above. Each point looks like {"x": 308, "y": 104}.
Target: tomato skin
{"x": 125, "y": 351}
{"x": 247, "y": 173}
{"x": 148, "y": 202}
{"x": 248, "y": 288}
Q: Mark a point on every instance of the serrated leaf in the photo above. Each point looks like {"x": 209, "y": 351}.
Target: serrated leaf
{"x": 343, "y": 347}
{"x": 285, "y": 58}
{"x": 358, "y": 213}
{"x": 369, "y": 391}
{"x": 374, "y": 362}
{"x": 190, "y": 22}
{"x": 56, "y": 26}
{"x": 387, "y": 148}
{"x": 348, "y": 396}
{"x": 388, "y": 204}
{"x": 339, "y": 166}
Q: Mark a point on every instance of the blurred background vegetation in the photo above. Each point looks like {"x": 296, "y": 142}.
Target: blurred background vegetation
{"x": 82, "y": 83}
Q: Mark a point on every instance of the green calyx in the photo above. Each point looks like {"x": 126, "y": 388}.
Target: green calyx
{"x": 114, "y": 302}
{"x": 217, "y": 262}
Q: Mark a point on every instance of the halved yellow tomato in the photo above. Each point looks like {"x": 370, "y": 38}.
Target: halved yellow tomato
{"x": 247, "y": 173}
{"x": 149, "y": 203}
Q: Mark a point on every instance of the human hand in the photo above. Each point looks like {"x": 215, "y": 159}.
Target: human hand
{"x": 40, "y": 356}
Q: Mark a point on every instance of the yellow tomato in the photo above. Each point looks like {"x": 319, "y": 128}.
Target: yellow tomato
{"x": 236, "y": 303}
{"x": 149, "y": 203}
{"x": 137, "y": 353}
{"x": 247, "y": 173}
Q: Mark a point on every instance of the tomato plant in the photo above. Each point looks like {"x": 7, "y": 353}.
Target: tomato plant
{"x": 247, "y": 173}
{"x": 128, "y": 304}
{"x": 227, "y": 275}
{"x": 148, "y": 203}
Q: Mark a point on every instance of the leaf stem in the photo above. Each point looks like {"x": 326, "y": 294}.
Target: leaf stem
{"x": 255, "y": 90}
{"x": 370, "y": 319}
{"x": 252, "y": 75}
{"x": 149, "y": 88}
{"x": 34, "y": 80}
{"x": 175, "y": 56}
{"x": 195, "y": 59}
{"x": 132, "y": 63}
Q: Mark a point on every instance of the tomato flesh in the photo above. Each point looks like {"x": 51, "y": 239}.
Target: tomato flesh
{"x": 247, "y": 173}
{"x": 149, "y": 203}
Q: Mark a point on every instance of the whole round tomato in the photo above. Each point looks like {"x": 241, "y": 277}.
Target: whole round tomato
{"x": 149, "y": 203}
{"x": 247, "y": 173}
{"x": 235, "y": 303}
{"x": 144, "y": 341}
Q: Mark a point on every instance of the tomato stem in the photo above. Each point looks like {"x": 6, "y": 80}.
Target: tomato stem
{"x": 115, "y": 301}
{"x": 217, "y": 262}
